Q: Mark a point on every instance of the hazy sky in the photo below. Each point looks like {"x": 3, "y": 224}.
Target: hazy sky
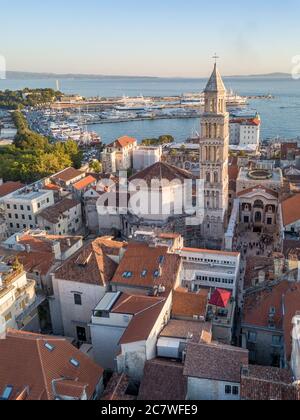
{"x": 150, "y": 37}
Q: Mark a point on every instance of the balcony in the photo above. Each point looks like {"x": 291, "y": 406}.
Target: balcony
{"x": 26, "y": 314}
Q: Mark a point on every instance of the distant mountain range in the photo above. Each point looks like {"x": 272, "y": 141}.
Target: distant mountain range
{"x": 267, "y": 76}
{"x": 19, "y": 75}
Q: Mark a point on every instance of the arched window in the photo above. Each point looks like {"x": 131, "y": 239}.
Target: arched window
{"x": 207, "y": 176}
{"x": 259, "y": 204}
{"x": 216, "y": 177}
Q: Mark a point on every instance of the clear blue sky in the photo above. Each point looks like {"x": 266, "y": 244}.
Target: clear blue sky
{"x": 150, "y": 37}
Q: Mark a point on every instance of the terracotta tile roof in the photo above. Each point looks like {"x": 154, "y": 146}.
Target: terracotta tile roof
{"x": 84, "y": 183}
{"x": 67, "y": 175}
{"x": 116, "y": 389}
{"x": 40, "y": 262}
{"x": 147, "y": 267}
{"x": 163, "y": 380}
{"x": 52, "y": 187}
{"x": 9, "y": 187}
{"x": 54, "y": 213}
{"x": 134, "y": 304}
{"x": 30, "y": 367}
{"x": 125, "y": 141}
{"x": 291, "y": 210}
{"x": 188, "y": 305}
{"x": 247, "y": 121}
{"x": 258, "y": 187}
{"x": 233, "y": 172}
{"x": 291, "y": 302}
{"x": 220, "y": 298}
{"x": 215, "y": 362}
{"x": 258, "y": 304}
{"x": 284, "y": 297}
{"x": 254, "y": 266}
{"x": 145, "y": 311}
{"x": 92, "y": 264}
{"x": 44, "y": 243}
{"x": 162, "y": 171}
{"x": 182, "y": 329}
{"x": 267, "y": 383}
{"x": 40, "y": 257}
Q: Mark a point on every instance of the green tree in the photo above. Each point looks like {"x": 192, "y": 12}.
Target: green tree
{"x": 96, "y": 166}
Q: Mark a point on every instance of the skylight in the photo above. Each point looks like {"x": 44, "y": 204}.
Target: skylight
{"x": 49, "y": 347}
{"x": 7, "y": 393}
{"x": 75, "y": 363}
{"x": 127, "y": 275}
{"x": 156, "y": 274}
{"x": 144, "y": 273}
{"x": 161, "y": 260}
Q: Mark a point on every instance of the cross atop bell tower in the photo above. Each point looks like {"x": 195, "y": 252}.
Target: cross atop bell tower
{"x": 216, "y": 58}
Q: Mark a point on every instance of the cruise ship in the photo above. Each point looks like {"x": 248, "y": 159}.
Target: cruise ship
{"x": 137, "y": 105}
{"x": 235, "y": 100}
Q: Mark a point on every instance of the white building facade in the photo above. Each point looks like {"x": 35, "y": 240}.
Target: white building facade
{"x": 144, "y": 156}
{"x": 245, "y": 130}
{"x": 17, "y": 294}
{"x": 210, "y": 269}
{"x": 23, "y": 206}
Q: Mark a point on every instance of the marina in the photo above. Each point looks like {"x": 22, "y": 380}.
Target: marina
{"x": 69, "y": 118}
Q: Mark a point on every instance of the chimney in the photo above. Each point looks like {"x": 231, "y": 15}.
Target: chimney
{"x": 261, "y": 276}
{"x": 278, "y": 265}
{"x": 69, "y": 242}
{"x": 28, "y": 248}
{"x": 56, "y": 250}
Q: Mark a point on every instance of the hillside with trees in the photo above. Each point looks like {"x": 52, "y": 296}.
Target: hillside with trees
{"x": 27, "y": 97}
{"x": 32, "y": 156}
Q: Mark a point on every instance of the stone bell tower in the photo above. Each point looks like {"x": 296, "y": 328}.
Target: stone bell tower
{"x": 214, "y": 154}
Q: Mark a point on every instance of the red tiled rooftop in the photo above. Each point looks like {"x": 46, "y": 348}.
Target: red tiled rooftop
{"x": 188, "y": 305}
{"x": 261, "y": 383}
{"x": 93, "y": 263}
{"x": 29, "y": 367}
{"x": 85, "y": 182}
{"x": 68, "y": 175}
{"x": 162, "y": 171}
{"x": 145, "y": 311}
{"x": 215, "y": 362}
{"x": 163, "y": 380}
{"x": 52, "y": 187}
{"x": 147, "y": 267}
{"x": 10, "y": 187}
{"x": 123, "y": 142}
{"x": 284, "y": 297}
{"x": 291, "y": 210}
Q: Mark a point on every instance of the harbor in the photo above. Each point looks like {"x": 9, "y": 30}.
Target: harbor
{"x": 70, "y": 117}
